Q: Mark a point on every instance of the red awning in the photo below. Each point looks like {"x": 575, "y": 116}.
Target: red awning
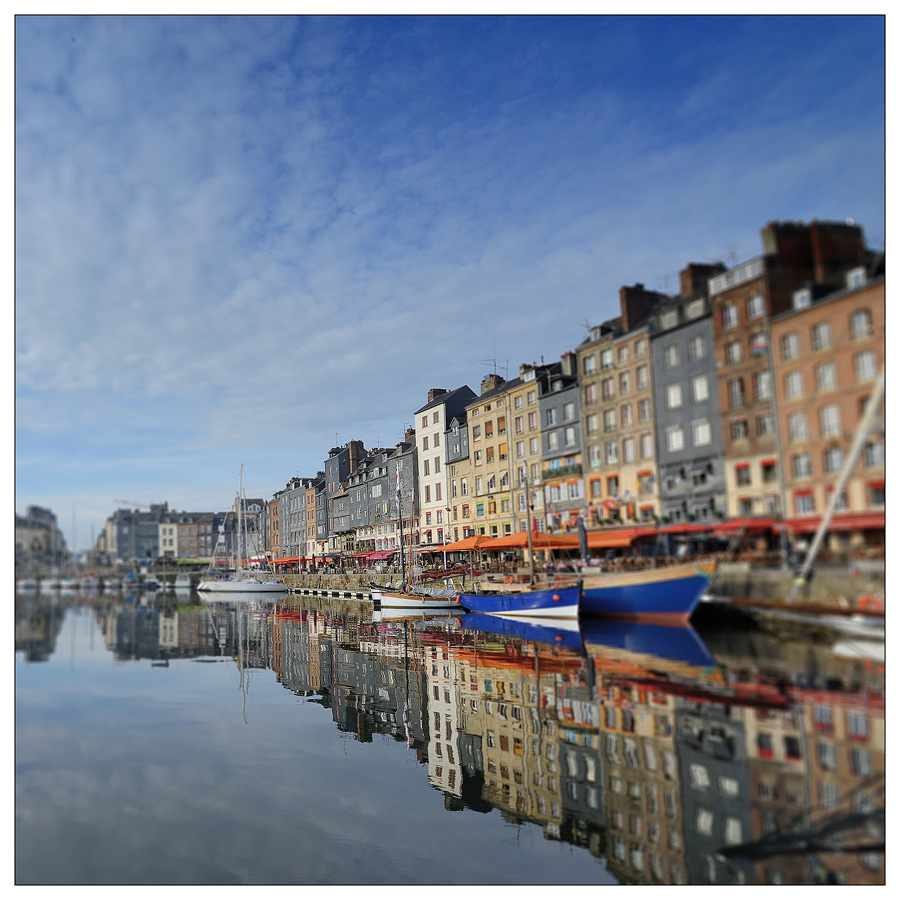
{"x": 841, "y": 522}
{"x": 753, "y": 526}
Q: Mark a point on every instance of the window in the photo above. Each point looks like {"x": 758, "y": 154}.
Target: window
{"x": 701, "y": 432}
{"x": 790, "y": 346}
{"x": 755, "y": 307}
{"x": 825, "y": 377}
{"x": 674, "y": 438}
{"x": 590, "y": 365}
{"x": 570, "y": 436}
{"x": 625, "y": 382}
{"x": 699, "y": 389}
{"x": 643, "y": 411}
{"x": 762, "y": 385}
{"x": 531, "y": 397}
{"x": 625, "y": 416}
{"x": 876, "y": 493}
{"x": 628, "y": 450}
{"x": 742, "y": 474}
{"x": 668, "y": 319}
{"x": 729, "y": 315}
{"x": 801, "y": 465}
{"x": 592, "y": 424}
{"x": 673, "y": 396}
{"x": 532, "y": 421}
{"x": 802, "y": 298}
{"x": 797, "y": 427}
{"x": 699, "y": 777}
{"x": 670, "y": 356}
{"x": 646, "y": 446}
{"x": 804, "y": 503}
{"x": 696, "y": 347}
{"x": 612, "y": 452}
{"x": 874, "y": 455}
{"x": 643, "y": 377}
{"x": 640, "y": 347}
{"x": 623, "y": 355}
{"x": 568, "y": 411}
{"x": 733, "y": 352}
{"x": 606, "y": 359}
{"x": 793, "y": 385}
{"x": 821, "y": 336}
{"x": 861, "y": 324}
{"x": 740, "y": 431}
{"x": 609, "y": 420}
{"x": 609, "y": 388}
{"x": 476, "y": 432}
{"x": 830, "y": 421}
{"x": 736, "y": 396}
{"x": 694, "y": 309}
{"x": 704, "y": 821}
{"x": 834, "y": 459}
{"x": 551, "y": 416}
{"x": 864, "y": 363}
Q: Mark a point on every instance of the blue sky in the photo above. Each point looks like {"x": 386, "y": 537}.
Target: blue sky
{"x": 241, "y": 240}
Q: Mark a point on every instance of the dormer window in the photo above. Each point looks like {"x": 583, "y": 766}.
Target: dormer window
{"x": 802, "y": 298}
{"x": 856, "y": 278}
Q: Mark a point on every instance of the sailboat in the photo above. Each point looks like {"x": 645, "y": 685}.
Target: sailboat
{"x": 408, "y": 597}
{"x": 242, "y": 580}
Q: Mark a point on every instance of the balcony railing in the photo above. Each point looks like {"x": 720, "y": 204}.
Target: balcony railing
{"x": 574, "y": 469}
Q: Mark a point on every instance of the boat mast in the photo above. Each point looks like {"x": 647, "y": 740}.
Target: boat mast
{"x": 529, "y": 508}
{"x": 865, "y": 427}
{"x": 240, "y": 524}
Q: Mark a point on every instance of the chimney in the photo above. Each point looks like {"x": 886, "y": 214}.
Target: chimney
{"x": 694, "y": 275}
{"x": 635, "y": 303}
{"x": 436, "y": 392}
{"x": 567, "y": 361}
{"x": 489, "y": 382}
{"x": 410, "y": 436}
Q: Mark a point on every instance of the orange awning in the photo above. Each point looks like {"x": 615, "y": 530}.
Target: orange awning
{"x": 841, "y": 522}
{"x": 472, "y": 542}
{"x": 540, "y": 541}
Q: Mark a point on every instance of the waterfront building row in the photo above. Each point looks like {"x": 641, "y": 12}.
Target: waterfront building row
{"x": 738, "y": 396}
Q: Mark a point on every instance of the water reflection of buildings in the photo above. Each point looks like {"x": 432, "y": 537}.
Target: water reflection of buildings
{"x": 659, "y": 770}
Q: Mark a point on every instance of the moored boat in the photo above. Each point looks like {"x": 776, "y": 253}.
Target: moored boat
{"x": 667, "y": 594}
{"x": 555, "y": 602}
{"x": 390, "y": 598}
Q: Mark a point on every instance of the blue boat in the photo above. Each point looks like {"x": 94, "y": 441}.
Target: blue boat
{"x": 669, "y": 594}
{"x": 677, "y": 643}
{"x": 546, "y": 632}
{"x": 554, "y": 603}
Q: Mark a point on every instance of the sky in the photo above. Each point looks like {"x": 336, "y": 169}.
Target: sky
{"x": 249, "y": 240}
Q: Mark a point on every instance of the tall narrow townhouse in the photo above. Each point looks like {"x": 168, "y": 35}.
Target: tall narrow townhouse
{"x": 523, "y": 401}
{"x": 403, "y": 484}
{"x": 315, "y": 486}
{"x": 488, "y": 416}
{"x": 431, "y": 423}
{"x": 688, "y": 422}
{"x": 562, "y": 473}
{"x": 827, "y": 352}
{"x": 341, "y": 463}
{"x": 615, "y": 368}
{"x": 370, "y": 500}
{"x": 460, "y": 476}
{"x": 743, "y": 300}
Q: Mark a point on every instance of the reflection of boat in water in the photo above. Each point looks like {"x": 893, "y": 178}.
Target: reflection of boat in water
{"x": 672, "y": 643}
{"x": 562, "y": 632}
{"x": 414, "y": 600}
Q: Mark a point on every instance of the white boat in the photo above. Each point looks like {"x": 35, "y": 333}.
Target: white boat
{"x": 242, "y": 580}
{"x": 52, "y": 583}
{"x": 391, "y": 598}
{"x": 27, "y": 584}
{"x": 89, "y": 583}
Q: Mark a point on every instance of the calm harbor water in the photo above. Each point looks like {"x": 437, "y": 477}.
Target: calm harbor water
{"x": 165, "y": 740}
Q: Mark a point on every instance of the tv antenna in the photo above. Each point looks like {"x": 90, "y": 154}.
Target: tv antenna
{"x": 493, "y": 362}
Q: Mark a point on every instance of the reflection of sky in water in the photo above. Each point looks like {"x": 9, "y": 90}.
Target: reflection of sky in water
{"x": 131, "y": 774}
